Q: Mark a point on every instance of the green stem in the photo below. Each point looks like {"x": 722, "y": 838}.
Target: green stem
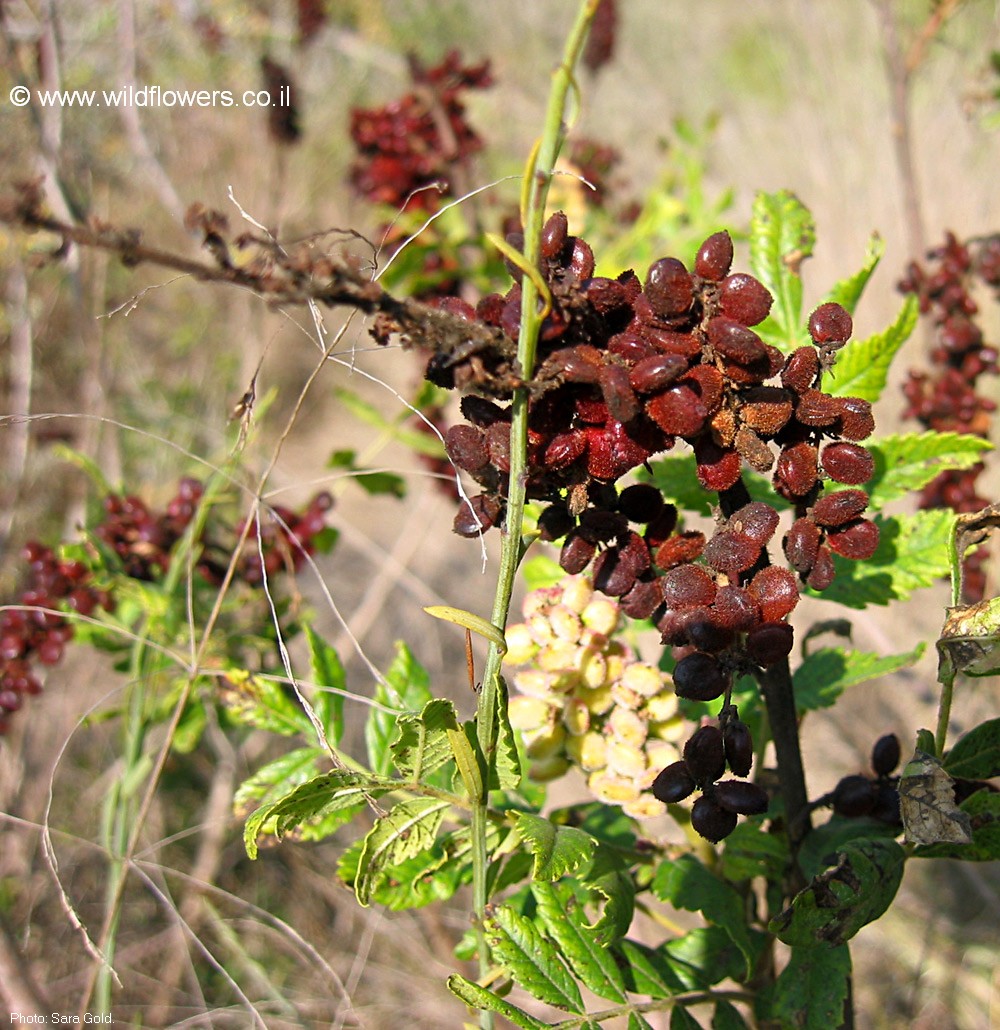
{"x": 947, "y": 681}
{"x": 538, "y": 177}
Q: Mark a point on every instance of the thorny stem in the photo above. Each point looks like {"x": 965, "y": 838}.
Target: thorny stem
{"x": 540, "y": 170}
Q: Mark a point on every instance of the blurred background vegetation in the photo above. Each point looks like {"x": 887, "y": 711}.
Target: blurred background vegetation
{"x": 704, "y": 104}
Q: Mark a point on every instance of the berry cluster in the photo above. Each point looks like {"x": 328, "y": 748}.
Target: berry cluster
{"x": 625, "y": 370}
{"x": 586, "y": 700}
{"x": 142, "y": 541}
{"x": 38, "y": 632}
{"x": 946, "y": 399}
{"x": 875, "y": 796}
{"x": 600, "y": 45}
{"x": 706, "y": 755}
{"x": 418, "y": 140}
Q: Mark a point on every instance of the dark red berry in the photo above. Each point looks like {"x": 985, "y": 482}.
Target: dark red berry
{"x": 642, "y": 599}
{"x": 641, "y": 502}
{"x": 816, "y": 408}
{"x": 731, "y": 552}
{"x": 776, "y": 591}
{"x": 857, "y": 540}
{"x": 738, "y": 747}
{"x": 680, "y": 549}
{"x": 734, "y": 341}
{"x": 823, "y": 571}
{"x": 554, "y": 234}
{"x": 854, "y": 796}
{"x": 801, "y": 544}
{"x": 718, "y": 467}
{"x": 669, "y": 288}
{"x": 687, "y": 586}
{"x": 715, "y": 256}
{"x": 736, "y": 608}
{"x": 711, "y": 821}
{"x": 466, "y": 446}
{"x": 741, "y": 797}
{"x": 563, "y": 449}
{"x": 798, "y": 470}
{"x": 840, "y": 507}
{"x": 847, "y": 463}
{"x": 576, "y": 554}
{"x": 856, "y": 419}
{"x": 618, "y": 393}
{"x": 885, "y": 754}
{"x": 678, "y": 411}
{"x": 705, "y": 754}
{"x": 673, "y": 784}
{"x": 756, "y": 520}
{"x": 800, "y": 370}
{"x": 744, "y": 299}
{"x": 656, "y": 372}
{"x": 699, "y": 677}
{"x": 770, "y": 642}
{"x": 830, "y": 323}
{"x": 616, "y": 569}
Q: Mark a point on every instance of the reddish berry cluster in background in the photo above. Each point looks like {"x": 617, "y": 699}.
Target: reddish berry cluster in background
{"x": 418, "y": 140}
{"x": 625, "y": 369}
{"x": 946, "y": 399}
{"x": 143, "y": 541}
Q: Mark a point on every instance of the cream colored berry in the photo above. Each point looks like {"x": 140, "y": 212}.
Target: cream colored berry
{"x": 628, "y": 726}
{"x": 601, "y": 615}
{"x": 536, "y": 683}
{"x": 590, "y": 752}
{"x": 540, "y": 601}
{"x": 614, "y": 789}
{"x": 626, "y": 760}
{"x": 660, "y": 754}
{"x": 557, "y": 656}
{"x": 593, "y": 667}
{"x": 540, "y": 628}
{"x": 662, "y": 706}
{"x": 671, "y": 730}
{"x": 644, "y": 807}
{"x": 643, "y": 678}
{"x": 625, "y": 697}
{"x": 576, "y": 716}
{"x": 598, "y": 699}
{"x": 530, "y": 713}
{"x": 566, "y": 624}
{"x": 577, "y": 593}
{"x": 521, "y": 646}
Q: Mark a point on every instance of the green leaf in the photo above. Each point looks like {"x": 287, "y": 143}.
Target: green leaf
{"x": 848, "y": 291}
{"x": 811, "y": 991}
{"x": 533, "y": 960}
{"x": 507, "y": 762}
{"x": 407, "y": 689}
{"x": 685, "y": 883}
{"x": 541, "y": 571}
{"x": 617, "y": 889}
{"x": 976, "y": 755}
{"x": 751, "y": 851}
{"x": 263, "y": 704}
{"x": 564, "y": 921}
{"x": 372, "y": 482}
{"x": 277, "y": 779}
{"x": 908, "y": 462}
{"x": 406, "y": 830}
{"x": 820, "y": 848}
{"x": 676, "y": 478}
{"x": 782, "y": 235}
{"x": 480, "y": 998}
{"x": 828, "y": 671}
{"x": 681, "y": 1019}
{"x": 648, "y": 971}
{"x": 727, "y": 1017}
{"x": 637, "y": 1021}
{"x": 983, "y": 809}
{"x": 863, "y": 365}
{"x": 912, "y": 553}
{"x": 394, "y": 429}
{"x": 558, "y": 850}
{"x": 706, "y": 956}
{"x": 422, "y": 744}
{"x": 432, "y": 876}
{"x": 326, "y": 670}
{"x": 836, "y": 904}
{"x": 313, "y": 800}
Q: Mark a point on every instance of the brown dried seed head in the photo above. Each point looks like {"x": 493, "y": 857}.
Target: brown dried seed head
{"x": 680, "y": 549}
{"x": 766, "y": 409}
{"x": 724, "y": 427}
{"x": 753, "y": 450}
{"x": 707, "y": 382}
